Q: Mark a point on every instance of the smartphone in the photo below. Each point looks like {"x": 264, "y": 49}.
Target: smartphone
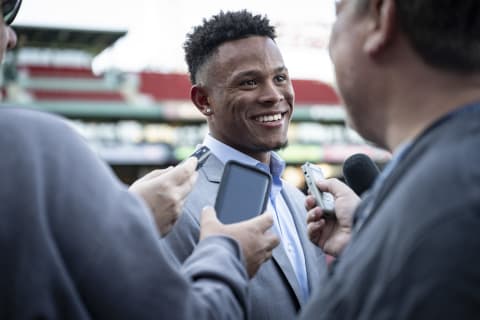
{"x": 201, "y": 154}
{"x": 243, "y": 192}
{"x": 324, "y": 200}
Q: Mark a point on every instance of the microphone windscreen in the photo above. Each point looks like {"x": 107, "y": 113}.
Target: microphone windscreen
{"x": 360, "y": 172}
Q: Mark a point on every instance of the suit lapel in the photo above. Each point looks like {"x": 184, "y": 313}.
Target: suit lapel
{"x": 280, "y": 257}
{"x": 313, "y": 255}
{"x": 213, "y": 169}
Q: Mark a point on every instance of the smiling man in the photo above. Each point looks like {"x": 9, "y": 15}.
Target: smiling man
{"x": 242, "y": 86}
{"x": 76, "y": 244}
{"x": 247, "y": 96}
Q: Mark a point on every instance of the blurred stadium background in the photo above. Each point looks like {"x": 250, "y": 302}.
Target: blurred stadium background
{"x": 131, "y": 102}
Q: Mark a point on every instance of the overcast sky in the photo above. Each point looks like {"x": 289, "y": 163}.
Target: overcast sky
{"x": 157, "y": 28}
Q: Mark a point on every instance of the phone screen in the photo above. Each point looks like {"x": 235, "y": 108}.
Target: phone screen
{"x": 243, "y": 192}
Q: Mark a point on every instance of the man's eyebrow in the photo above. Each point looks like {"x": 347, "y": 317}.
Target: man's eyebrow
{"x": 246, "y": 73}
{"x": 281, "y": 69}
{"x": 255, "y": 72}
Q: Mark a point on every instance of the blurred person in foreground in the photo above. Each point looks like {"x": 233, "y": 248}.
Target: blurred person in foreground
{"x": 76, "y": 244}
{"x": 409, "y": 74}
{"x": 241, "y": 84}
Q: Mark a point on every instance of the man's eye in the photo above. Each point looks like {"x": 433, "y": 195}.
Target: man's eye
{"x": 281, "y": 78}
{"x": 249, "y": 83}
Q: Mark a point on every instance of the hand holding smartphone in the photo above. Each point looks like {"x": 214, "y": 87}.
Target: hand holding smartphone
{"x": 243, "y": 192}
{"x": 324, "y": 200}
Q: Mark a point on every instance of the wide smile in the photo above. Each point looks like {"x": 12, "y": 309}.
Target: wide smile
{"x": 270, "y": 118}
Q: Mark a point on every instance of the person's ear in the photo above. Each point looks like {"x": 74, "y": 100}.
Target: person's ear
{"x": 200, "y": 98}
{"x": 381, "y": 27}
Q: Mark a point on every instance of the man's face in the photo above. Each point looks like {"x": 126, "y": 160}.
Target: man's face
{"x": 250, "y": 94}
{"x": 356, "y": 80}
{"x": 8, "y": 38}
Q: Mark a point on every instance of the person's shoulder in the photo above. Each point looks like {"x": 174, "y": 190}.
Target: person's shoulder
{"x": 455, "y": 155}
{"x": 37, "y": 133}
{"x": 15, "y": 118}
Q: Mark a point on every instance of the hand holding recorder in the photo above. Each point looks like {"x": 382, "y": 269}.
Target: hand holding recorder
{"x": 324, "y": 200}
{"x": 332, "y": 235}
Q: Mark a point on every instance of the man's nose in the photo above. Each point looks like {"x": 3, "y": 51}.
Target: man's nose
{"x": 272, "y": 93}
{"x": 11, "y": 38}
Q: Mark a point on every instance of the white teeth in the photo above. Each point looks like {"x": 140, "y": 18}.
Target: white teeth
{"x": 274, "y": 117}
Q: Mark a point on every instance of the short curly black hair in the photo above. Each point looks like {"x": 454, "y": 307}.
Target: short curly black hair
{"x": 223, "y": 27}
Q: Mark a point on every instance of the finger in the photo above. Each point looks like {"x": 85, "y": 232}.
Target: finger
{"x": 158, "y": 172}
{"x": 334, "y": 186}
{"x": 190, "y": 164}
{"x": 263, "y": 221}
{"x": 314, "y": 230}
{"x": 185, "y": 188}
{"x": 178, "y": 208}
{"x": 153, "y": 174}
{"x": 310, "y": 202}
{"x": 272, "y": 241}
{"x": 182, "y": 172}
{"x": 316, "y": 226}
{"x": 191, "y": 181}
{"x": 314, "y": 215}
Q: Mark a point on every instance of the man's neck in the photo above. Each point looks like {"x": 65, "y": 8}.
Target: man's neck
{"x": 221, "y": 147}
{"x": 262, "y": 156}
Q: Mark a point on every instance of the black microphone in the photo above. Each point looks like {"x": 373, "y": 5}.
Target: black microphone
{"x": 360, "y": 172}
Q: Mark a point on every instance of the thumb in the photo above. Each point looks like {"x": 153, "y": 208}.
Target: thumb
{"x": 332, "y": 185}
{"x": 208, "y": 216}
{"x": 324, "y": 185}
{"x": 189, "y": 163}
{"x": 182, "y": 172}
{"x": 158, "y": 172}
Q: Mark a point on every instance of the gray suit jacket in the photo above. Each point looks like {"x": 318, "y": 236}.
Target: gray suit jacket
{"x": 417, "y": 256}
{"x": 76, "y": 244}
{"x": 274, "y": 291}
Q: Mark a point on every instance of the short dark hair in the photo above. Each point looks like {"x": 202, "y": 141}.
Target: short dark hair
{"x": 445, "y": 33}
{"x": 202, "y": 42}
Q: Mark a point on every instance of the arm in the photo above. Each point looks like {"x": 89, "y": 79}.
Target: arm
{"x": 109, "y": 247}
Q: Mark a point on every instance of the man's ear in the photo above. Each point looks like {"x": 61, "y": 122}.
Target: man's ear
{"x": 382, "y": 26}
{"x": 200, "y": 98}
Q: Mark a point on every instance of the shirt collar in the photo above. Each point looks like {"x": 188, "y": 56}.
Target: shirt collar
{"x": 226, "y": 153}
